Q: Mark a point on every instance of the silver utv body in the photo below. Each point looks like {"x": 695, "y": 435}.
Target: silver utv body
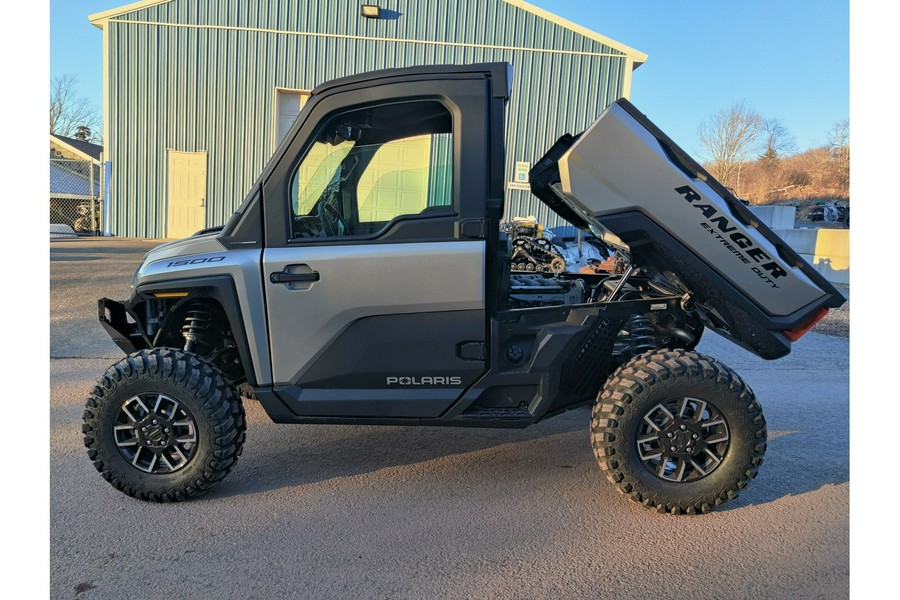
{"x": 334, "y": 307}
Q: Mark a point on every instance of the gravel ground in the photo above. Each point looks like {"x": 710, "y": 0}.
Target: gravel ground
{"x": 837, "y": 322}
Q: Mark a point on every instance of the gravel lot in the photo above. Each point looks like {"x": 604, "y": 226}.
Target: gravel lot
{"x": 392, "y": 512}
{"x": 837, "y": 321}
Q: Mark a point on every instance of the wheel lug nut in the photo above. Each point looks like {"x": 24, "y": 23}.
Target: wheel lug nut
{"x": 695, "y": 436}
{"x": 669, "y": 435}
{"x": 688, "y": 448}
{"x": 155, "y": 422}
{"x": 144, "y": 429}
{"x": 674, "y": 449}
{"x": 682, "y": 427}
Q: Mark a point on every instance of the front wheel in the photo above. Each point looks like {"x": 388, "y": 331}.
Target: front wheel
{"x": 678, "y": 431}
{"x": 163, "y": 425}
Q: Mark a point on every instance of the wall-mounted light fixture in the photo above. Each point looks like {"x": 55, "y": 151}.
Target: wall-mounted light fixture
{"x": 370, "y": 11}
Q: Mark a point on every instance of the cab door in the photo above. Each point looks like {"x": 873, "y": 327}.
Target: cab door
{"x": 375, "y": 292}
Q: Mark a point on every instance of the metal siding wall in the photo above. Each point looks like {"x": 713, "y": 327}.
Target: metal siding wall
{"x": 213, "y": 90}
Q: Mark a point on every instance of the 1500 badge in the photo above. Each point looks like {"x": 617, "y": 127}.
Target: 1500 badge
{"x": 194, "y": 261}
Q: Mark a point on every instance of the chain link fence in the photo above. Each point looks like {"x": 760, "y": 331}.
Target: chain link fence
{"x": 75, "y": 195}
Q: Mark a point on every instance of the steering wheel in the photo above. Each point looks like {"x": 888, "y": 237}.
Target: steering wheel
{"x": 333, "y": 224}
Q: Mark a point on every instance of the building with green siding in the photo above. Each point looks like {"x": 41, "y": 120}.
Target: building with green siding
{"x": 197, "y": 95}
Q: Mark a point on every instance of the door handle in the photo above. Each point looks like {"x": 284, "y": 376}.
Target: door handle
{"x": 286, "y": 277}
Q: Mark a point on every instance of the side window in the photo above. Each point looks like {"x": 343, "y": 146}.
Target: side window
{"x": 317, "y": 171}
{"x": 406, "y": 177}
{"x": 371, "y": 166}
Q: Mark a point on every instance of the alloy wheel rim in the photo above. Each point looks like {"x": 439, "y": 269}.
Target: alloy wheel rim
{"x": 683, "y": 439}
{"x": 155, "y": 433}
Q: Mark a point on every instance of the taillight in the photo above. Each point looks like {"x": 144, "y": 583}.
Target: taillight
{"x": 797, "y": 332}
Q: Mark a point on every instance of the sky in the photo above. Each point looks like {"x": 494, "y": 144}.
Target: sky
{"x": 785, "y": 59}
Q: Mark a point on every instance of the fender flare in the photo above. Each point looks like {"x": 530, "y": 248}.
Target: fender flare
{"x": 220, "y": 288}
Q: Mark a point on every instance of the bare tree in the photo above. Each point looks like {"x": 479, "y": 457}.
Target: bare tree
{"x": 730, "y": 137}
{"x": 839, "y": 150}
{"x": 777, "y": 139}
{"x": 839, "y": 136}
{"x": 68, "y": 111}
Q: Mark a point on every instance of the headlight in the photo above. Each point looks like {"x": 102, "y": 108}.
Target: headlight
{"x": 135, "y": 276}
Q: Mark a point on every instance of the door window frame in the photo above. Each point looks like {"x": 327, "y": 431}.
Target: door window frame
{"x": 450, "y": 210}
{"x": 468, "y": 99}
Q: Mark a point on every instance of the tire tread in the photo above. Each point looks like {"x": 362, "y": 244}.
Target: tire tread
{"x": 220, "y": 403}
{"x": 633, "y": 379}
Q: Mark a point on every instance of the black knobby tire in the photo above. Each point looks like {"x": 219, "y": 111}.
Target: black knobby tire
{"x": 630, "y": 419}
{"x": 205, "y": 411}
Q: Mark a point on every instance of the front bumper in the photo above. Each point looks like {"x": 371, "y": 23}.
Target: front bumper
{"x": 114, "y": 318}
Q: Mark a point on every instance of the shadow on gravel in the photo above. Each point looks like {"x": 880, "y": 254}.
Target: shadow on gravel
{"x": 299, "y": 455}
{"x": 790, "y": 469}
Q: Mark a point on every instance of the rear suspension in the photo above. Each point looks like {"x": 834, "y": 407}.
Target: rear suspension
{"x": 638, "y": 335}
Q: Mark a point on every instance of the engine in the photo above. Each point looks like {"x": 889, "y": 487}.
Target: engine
{"x": 532, "y": 290}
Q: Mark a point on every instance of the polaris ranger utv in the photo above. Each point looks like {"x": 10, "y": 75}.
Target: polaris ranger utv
{"x": 365, "y": 280}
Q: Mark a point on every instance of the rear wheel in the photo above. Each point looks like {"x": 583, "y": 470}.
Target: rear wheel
{"x": 678, "y": 431}
{"x": 163, "y": 425}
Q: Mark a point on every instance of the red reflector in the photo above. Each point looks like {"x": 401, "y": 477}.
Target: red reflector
{"x": 797, "y": 332}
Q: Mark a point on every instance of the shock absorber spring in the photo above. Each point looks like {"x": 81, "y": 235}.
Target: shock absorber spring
{"x": 641, "y": 337}
{"x": 196, "y": 323}
{"x": 641, "y": 333}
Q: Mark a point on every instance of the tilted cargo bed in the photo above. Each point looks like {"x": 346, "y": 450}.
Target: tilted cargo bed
{"x": 625, "y": 180}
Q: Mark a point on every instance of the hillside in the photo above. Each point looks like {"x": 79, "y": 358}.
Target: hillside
{"x": 799, "y": 179}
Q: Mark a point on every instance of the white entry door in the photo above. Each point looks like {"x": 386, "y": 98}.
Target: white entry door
{"x": 187, "y": 193}
{"x": 288, "y": 104}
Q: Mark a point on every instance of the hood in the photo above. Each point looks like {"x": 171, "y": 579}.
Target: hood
{"x": 196, "y": 244}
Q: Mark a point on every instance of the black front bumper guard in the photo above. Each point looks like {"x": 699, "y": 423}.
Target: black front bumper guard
{"x": 127, "y": 335}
